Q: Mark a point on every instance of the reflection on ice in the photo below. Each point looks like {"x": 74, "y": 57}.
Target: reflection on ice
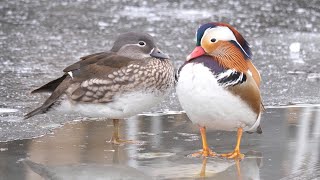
{"x": 152, "y": 155}
{"x": 288, "y": 147}
{"x": 182, "y": 167}
{"x": 304, "y": 146}
{"x": 86, "y": 171}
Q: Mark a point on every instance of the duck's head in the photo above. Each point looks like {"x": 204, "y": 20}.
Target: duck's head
{"x": 220, "y": 40}
{"x": 137, "y": 45}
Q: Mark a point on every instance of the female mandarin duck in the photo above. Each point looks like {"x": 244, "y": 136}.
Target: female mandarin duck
{"x": 128, "y": 79}
{"x": 218, "y": 86}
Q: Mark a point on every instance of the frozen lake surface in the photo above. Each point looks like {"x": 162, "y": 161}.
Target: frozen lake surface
{"x": 38, "y": 39}
{"x": 288, "y": 149}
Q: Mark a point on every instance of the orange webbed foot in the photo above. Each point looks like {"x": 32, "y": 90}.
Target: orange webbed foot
{"x": 236, "y": 154}
{"x": 233, "y": 155}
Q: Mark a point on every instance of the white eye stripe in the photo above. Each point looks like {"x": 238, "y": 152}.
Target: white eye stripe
{"x": 151, "y": 50}
{"x": 222, "y": 33}
{"x": 137, "y": 44}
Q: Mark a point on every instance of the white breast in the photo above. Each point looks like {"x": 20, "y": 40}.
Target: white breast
{"x": 208, "y": 104}
{"x": 123, "y": 106}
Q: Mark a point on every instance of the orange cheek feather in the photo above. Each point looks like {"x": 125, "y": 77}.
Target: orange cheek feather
{"x": 228, "y": 56}
{"x": 209, "y": 46}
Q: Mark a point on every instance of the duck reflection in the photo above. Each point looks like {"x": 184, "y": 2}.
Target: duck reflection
{"x": 248, "y": 168}
{"x": 113, "y": 171}
{"x": 83, "y": 147}
{"x": 83, "y": 142}
{"x": 178, "y": 167}
{"x": 86, "y": 171}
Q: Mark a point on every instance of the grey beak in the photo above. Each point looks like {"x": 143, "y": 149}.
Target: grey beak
{"x": 158, "y": 54}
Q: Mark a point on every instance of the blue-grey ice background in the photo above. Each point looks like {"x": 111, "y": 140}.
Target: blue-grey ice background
{"x": 38, "y": 38}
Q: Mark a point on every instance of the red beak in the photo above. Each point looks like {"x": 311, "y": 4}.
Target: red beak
{"x": 198, "y": 51}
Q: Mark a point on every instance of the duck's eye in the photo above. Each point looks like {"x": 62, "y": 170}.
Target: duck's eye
{"x": 142, "y": 43}
{"x": 213, "y": 40}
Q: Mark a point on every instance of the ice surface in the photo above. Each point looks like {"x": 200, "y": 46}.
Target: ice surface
{"x": 7, "y": 110}
{"x": 288, "y": 148}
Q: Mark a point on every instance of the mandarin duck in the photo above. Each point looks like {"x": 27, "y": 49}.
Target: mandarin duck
{"x": 129, "y": 79}
{"x": 218, "y": 86}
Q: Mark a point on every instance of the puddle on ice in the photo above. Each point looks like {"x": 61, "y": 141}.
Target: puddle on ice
{"x": 142, "y": 156}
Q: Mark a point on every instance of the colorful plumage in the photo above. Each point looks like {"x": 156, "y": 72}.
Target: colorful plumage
{"x": 218, "y": 86}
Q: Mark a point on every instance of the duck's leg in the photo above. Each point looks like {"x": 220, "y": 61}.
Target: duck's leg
{"x": 206, "y": 151}
{"x": 115, "y": 136}
{"x": 236, "y": 154}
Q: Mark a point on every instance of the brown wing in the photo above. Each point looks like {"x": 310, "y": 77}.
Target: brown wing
{"x": 255, "y": 73}
{"x": 104, "y": 65}
{"x": 60, "y": 90}
{"x": 99, "y": 82}
{"x": 102, "y": 58}
{"x": 50, "y": 86}
{"x": 88, "y": 83}
{"x": 249, "y": 92}
{"x": 257, "y": 78}
{"x": 87, "y": 60}
{"x": 84, "y": 61}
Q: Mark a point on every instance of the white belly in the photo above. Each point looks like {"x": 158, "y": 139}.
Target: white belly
{"x": 123, "y": 106}
{"x": 208, "y": 104}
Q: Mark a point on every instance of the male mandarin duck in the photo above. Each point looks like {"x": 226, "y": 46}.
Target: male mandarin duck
{"x": 218, "y": 86}
{"x": 129, "y": 79}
